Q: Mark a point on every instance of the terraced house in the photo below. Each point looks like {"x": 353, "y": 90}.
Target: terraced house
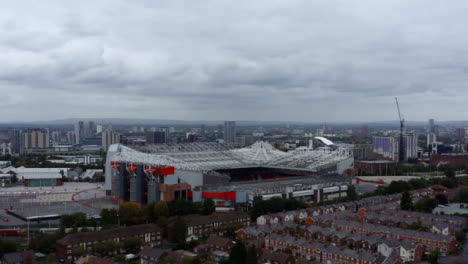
{"x": 149, "y": 234}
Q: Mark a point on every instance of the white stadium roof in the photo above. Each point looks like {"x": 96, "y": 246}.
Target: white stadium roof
{"x": 210, "y": 156}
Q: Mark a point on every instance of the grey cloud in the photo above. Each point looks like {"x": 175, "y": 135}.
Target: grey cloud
{"x": 297, "y": 60}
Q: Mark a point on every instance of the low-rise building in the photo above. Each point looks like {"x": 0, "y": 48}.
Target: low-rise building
{"x": 150, "y": 234}
{"x": 203, "y": 226}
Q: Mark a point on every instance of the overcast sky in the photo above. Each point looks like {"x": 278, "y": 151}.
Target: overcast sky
{"x": 241, "y": 60}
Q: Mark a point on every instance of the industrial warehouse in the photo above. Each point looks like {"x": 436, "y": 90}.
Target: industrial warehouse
{"x": 229, "y": 176}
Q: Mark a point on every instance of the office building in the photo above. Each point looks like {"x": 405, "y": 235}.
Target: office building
{"x": 431, "y": 138}
{"x": 410, "y": 142}
{"x": 386, "y": 147}
{"x": 16, "y": 141}
{"x": 99, "y": 129}
{"x": 460, "y": 134}
{"x": 229, "y": 132}
{"x": 157, "y": 137}
{"x": 109, "y": 137}
{"x": 431, "y": 128}
{"x": 90, "y": 129}
{"x": 37, "y": 139}
{"x": 79, "y": 132}
{"x": 71, "y": 137}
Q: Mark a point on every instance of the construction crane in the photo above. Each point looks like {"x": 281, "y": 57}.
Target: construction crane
{"x": 401, "y": 154}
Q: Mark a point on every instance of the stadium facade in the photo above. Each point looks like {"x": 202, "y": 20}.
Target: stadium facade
{"x": 228, "y": 175}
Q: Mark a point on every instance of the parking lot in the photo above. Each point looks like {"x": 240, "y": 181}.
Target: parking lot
{"x": 69, "y": 198}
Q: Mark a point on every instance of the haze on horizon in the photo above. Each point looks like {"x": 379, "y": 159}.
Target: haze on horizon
{"x": 308, "y": 61}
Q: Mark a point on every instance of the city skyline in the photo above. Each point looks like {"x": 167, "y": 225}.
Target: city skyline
{"x": 305, "y": 61}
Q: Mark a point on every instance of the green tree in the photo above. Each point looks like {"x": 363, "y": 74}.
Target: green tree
{"x": 406, "y": 203}
{"x": 160, "y": 209}
{"x": 178, "y": 232}
{"x": 109, "y": 217}
{"x": 351, "y": 193}
{"x": 147, "y": 213}
{"x": 79, "y": 219}
{"x": 51, "y": 259}
{"x": 208, "y": 206}
{"x": 66, "y": 221}
{"x": 130, "y": 213}
{"x": 448, "y": 170}
{"x": 183, "y": 207}
{"x": 132, "y": 244}
{"x": 426, "y": 205}
{"x": 238, "y": 253}
{"x": 462, "y": 196}
{"x": 79, "y": 252}
{"x": 433, "y": 257}
{"x": 7, "y": 246}
{"x": 441, "y": 199}
{"x": 191, "y": 260}
{"x": 416, "y": 225}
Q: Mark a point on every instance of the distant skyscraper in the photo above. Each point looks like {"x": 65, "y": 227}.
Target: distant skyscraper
{"x": 387, "y": 147}
{"x": 431, "y": 126}
{"x": 71, "y": 137}
{"x": 202, "y": 129}
{"x": 460, "y": 134}
{"x": 16, "y": 141}
{"x": 167, "y": 134}
{"x": 91, "y": 129}
{"x": 99, "y": 129}
{"x": 157, "y": 137}
{"x": 109, "y": 137}
{"x": 431, "y": 138}
{"x": 35, "y": 139}
{"x": 410, "y": 142}
{"x": 79, "y": 132}
{"x": 229, "y": 132}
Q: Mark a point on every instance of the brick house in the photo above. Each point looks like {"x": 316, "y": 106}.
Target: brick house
{"x": 150, "y": 234}
{"x": 203, "y": 226}
{"x": 272, "y": 257}
{"x": 215, "y": 243}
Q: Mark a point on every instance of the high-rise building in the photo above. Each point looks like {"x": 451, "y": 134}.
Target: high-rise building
{"x": 71, "y": 137}
{"x": 79, "y": 132}
{"x": 431, "y": 138}
{"x": 90, "y": 129}
{"x": 99, "y": 129}
{"x": 16, "y": 141}
{"x": 55, "y": 136}
{"x": 460, "y": 134}
{"x": 157, "y": 137}
{"x": 410, "y": 142}
{"x": 35, "y": 139}
{"x": 431, "y": 126}
{"x": 202, "y": 129}
{"x": 167, "y": 134}
{"x": 109, "y": 137}
{"x": 387, "y": 147}
{"x": 229, "y": 132}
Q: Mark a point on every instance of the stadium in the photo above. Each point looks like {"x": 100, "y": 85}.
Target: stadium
{"x": 228, "y": 175}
